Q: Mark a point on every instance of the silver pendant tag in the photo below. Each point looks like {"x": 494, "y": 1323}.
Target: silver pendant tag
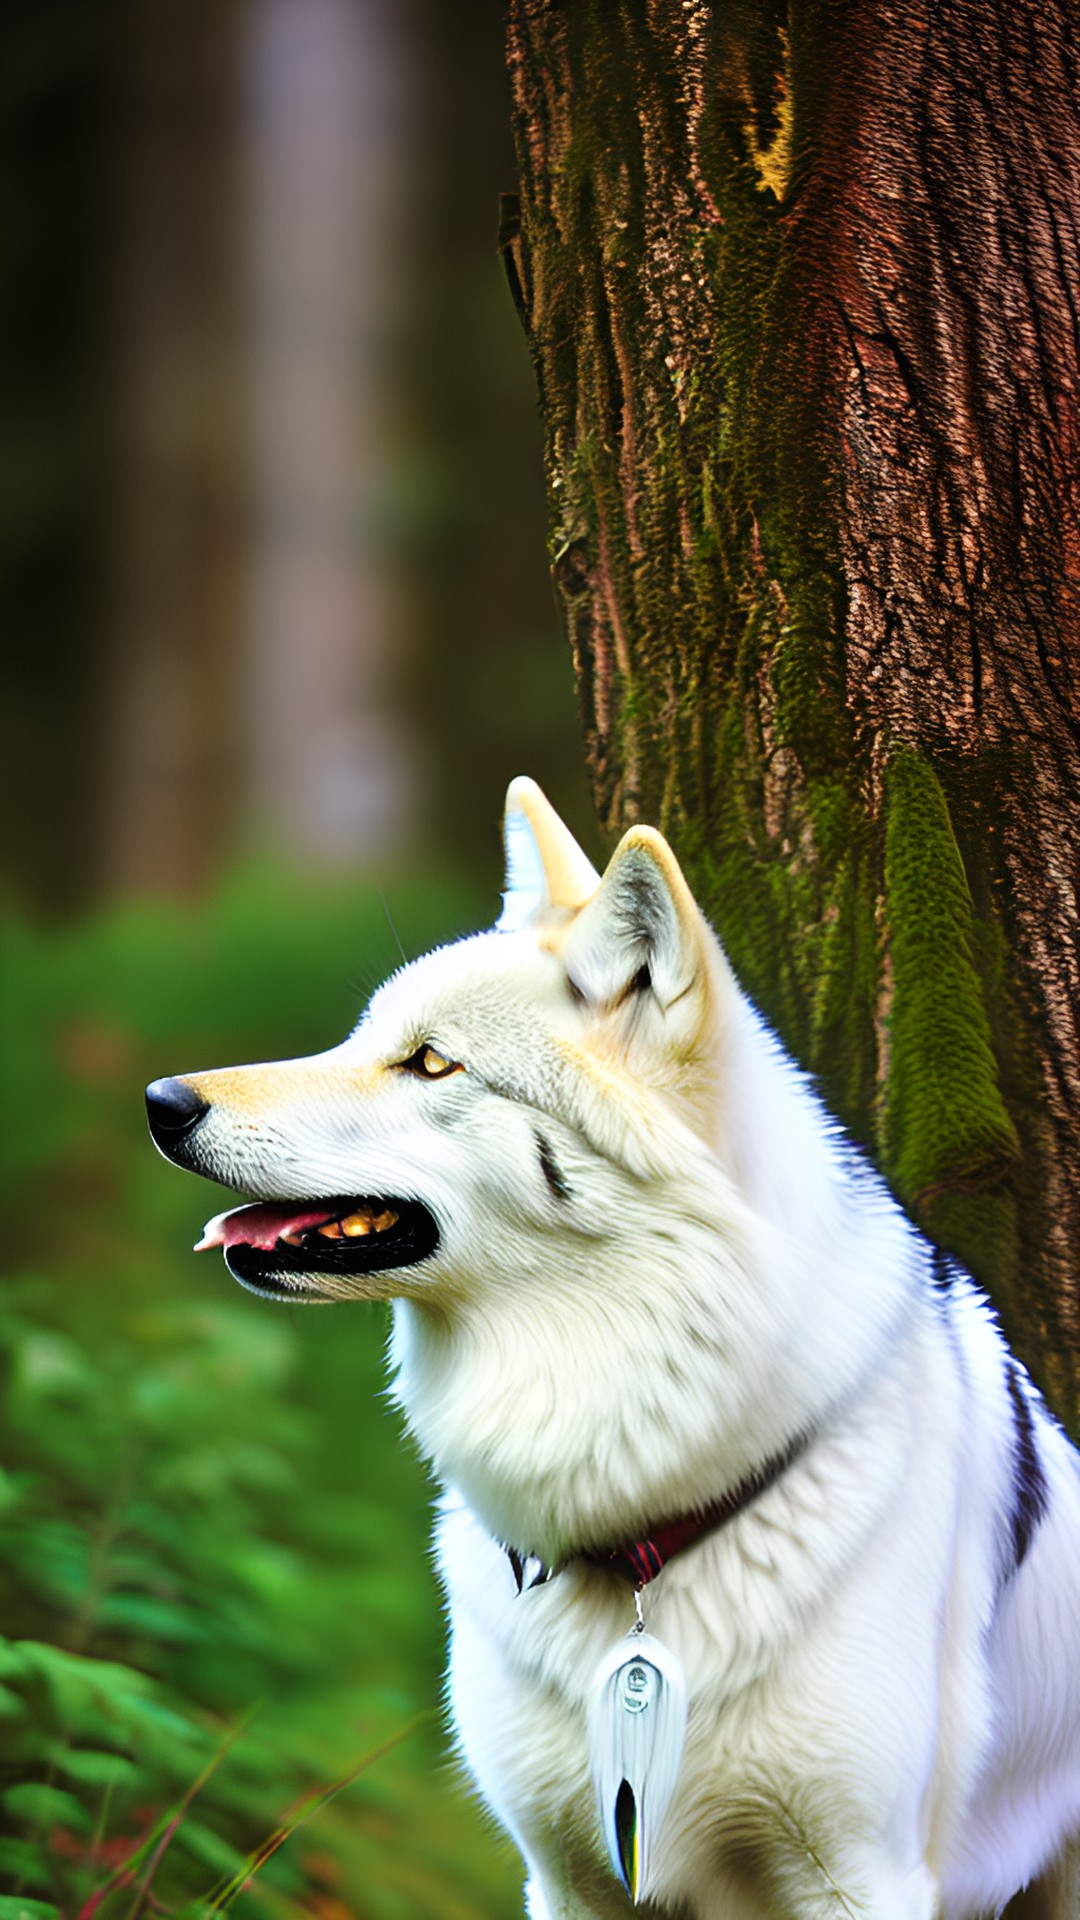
{"x": 637, "y": 1730}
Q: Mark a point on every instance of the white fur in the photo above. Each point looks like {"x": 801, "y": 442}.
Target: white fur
{"x": 884, "y": 1719}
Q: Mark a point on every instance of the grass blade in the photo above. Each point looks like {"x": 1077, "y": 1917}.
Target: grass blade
{"x": 222, "y": 1901}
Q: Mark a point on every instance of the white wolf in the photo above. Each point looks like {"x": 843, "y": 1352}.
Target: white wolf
{"x": 644, "y": 1293}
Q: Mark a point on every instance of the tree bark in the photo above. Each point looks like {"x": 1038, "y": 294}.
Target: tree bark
{"x": 801, "y": 288}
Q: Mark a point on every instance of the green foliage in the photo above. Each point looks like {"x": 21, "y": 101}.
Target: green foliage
{"x": 213, "y": 1540}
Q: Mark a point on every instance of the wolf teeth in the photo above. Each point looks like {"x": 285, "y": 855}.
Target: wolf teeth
{"x": 363, "y": 1222}
{"x": 352, "y": 1227}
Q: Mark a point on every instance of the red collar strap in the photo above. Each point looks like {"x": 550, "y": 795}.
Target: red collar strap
{"x": 639, "y": 1561}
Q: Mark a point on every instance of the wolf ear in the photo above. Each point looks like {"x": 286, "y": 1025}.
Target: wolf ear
{"x": 545, "y": 867}
{"x": 642, "y": 929}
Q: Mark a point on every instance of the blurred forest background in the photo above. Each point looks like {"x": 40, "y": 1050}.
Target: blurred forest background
{"x": 278, "y": 628}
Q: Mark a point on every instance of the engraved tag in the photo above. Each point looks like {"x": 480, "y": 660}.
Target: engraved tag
{"x": 637, "y": 1729}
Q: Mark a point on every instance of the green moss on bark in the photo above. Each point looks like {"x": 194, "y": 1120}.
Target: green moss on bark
{"x": 945, "y": 1124}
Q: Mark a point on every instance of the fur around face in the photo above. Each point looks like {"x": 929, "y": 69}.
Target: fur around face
{"x": 658, "y": 1263}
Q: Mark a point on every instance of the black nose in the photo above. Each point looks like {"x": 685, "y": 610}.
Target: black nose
{"x": 173, "y": 1108}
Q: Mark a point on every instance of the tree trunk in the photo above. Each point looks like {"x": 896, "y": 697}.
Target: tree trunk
{"x": 801, "y": 288}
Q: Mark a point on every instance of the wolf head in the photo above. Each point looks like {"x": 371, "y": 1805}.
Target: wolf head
{"x": 482, "y": 1089}
{"x": 628, "y": 1254}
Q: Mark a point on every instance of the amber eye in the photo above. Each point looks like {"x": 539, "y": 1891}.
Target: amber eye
{"x": 430, "y": 1064}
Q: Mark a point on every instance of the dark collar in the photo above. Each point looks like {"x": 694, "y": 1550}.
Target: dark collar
{"x": 639, "y": 1561}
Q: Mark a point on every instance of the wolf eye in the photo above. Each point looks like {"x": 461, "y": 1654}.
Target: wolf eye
{"x": 430, "y": 1064}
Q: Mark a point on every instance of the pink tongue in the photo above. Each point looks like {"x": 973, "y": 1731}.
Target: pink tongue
{"x": 258, "y": 1226}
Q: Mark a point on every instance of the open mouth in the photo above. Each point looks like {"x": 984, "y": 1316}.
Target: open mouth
{"x": 322, "y": 1249}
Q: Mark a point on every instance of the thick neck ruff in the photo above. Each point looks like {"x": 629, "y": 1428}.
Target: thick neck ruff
{"x": 639, "y": 1561}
